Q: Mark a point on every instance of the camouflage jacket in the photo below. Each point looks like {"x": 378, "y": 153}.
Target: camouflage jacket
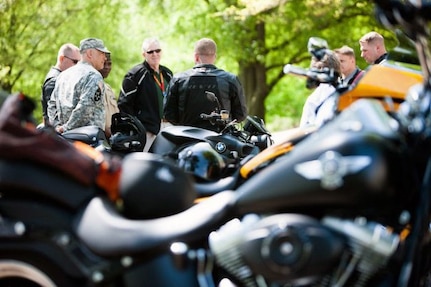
{"x": 78, "y": 98}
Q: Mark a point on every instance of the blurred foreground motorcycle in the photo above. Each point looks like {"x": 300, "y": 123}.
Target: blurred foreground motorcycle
{"x": 353, "y": 210}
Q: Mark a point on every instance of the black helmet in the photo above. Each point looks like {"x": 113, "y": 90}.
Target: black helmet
{"x": 128, "y": 133}
{"x": 202, "y": 161}
{"x": 152, "y": 186}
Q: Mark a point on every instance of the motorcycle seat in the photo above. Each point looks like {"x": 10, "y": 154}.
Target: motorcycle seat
{"x": 91, "y": 135}
{"x": 107, "y": 233}
{"x": 180, "y": 134}
{"x": 25, "y": 179}
{"x": 172, "y": 136}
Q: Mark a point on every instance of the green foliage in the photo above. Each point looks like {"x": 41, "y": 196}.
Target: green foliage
{"x": 285, "y": 103}
{"x": 32, "y": 33}
{"x": 255, "y": 38}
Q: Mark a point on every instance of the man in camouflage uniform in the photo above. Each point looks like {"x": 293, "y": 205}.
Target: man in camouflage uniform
{"x": 78, "y": 96}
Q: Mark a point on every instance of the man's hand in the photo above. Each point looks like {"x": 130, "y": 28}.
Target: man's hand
{"x": 59, "y": 129}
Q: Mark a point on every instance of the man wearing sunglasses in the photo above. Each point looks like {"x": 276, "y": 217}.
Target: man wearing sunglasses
{"x": 77, "y": 98}
{"x": 143, "y": 90}
{"x": 68, "y": 55}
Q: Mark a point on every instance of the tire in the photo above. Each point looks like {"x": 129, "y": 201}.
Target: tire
{"x": 15, "y": 273}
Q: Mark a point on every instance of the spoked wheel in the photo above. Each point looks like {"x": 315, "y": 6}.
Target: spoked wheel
{"x": 15, "y": 273}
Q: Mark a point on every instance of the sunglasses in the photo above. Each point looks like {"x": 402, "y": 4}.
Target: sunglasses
{"x": 73, "y": 60}
{"x": 156, "y": 50}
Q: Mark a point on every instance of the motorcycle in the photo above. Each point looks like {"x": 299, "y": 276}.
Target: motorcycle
{"x": 213, "y": 158}
{"x": 128, "y": 135}
{"x": 387, "y": 83}
{"x": 353, "y": 210}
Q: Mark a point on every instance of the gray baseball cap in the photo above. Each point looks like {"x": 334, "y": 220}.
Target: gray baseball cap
{"x": 93, "y": 43}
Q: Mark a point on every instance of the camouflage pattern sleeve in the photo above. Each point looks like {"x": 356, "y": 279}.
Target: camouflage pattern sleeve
{"x": 89, "y": 109}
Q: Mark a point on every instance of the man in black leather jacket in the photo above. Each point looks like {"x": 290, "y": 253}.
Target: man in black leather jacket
{"x": 187, "y": 94}
{"x": 143, "y": 89}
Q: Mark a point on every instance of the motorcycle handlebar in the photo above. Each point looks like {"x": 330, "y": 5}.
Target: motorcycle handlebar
{"x": 223, "y": 115}
{"x": 291, "y": 69}
{"x": 213, "y": 116}
{"x": 319, "y": 76}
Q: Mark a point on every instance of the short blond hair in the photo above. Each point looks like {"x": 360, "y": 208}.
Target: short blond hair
{"x": 206, "y": 47}
{"x": 372, "y": 37}
{"x": 345, "y": 50}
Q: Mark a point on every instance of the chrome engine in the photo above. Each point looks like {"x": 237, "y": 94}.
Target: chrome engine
{"x": 297, "y": 250}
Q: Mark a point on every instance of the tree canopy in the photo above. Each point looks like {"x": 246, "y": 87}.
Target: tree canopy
{"x": 255, "y": 39}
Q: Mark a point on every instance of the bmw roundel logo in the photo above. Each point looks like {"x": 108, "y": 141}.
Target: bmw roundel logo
{"x": 220, "y": 147}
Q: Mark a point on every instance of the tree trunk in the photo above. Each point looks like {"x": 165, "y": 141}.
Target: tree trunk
{"x": 253, "y": 75}
{"x": 253, "y": 78}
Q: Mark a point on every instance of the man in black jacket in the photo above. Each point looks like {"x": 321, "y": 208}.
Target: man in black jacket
{"x": 187, "y": 94}
{"x": 143, "y": 89}
{"x": 68, "y": 56}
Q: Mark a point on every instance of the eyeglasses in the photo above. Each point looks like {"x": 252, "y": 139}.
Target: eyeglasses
{"x": 73, "y": 60}
{"x": 156, "y": 50}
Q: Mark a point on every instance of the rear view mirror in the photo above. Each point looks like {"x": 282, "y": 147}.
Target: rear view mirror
{"x": 317, "y": 46}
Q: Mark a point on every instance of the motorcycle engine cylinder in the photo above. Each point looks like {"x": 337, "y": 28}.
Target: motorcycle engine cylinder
{"x": 284, "y": 248}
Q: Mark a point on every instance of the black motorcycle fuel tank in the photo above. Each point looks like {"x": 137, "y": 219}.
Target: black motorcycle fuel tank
{"x": 355, "y": 160}
{"x": 227, "y": 144}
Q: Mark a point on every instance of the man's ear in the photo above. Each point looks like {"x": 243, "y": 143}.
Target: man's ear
{"x": 197, "y": 59}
